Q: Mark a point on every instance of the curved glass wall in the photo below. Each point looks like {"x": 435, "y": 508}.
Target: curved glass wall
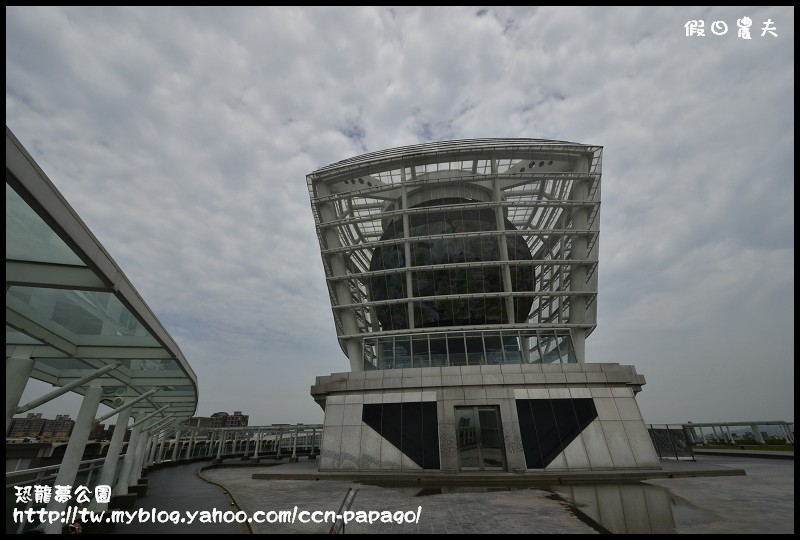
{"x": 475, "y": 348}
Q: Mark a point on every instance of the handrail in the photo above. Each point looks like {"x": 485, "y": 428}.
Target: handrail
{"x": 347, "y": 502}
{"x": 89, "y": 464}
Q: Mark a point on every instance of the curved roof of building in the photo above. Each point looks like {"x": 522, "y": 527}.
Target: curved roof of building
{"x": 72, "y": 309}
{"x": 453, "y": 147}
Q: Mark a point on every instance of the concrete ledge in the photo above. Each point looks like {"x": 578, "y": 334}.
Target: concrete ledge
{"x": 501, "y": 375}
{"x": 768, "y": 454}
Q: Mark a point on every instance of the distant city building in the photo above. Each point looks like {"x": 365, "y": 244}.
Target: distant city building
{"x": 110, "y": 433}
{"x": 223, "y": 419}
{"x": 57, "y": 430}
{"x": 198, "y": 421}
{"x": 30, "y": 426}
{"x": 34, "y": 426}
{"x": 98, "y": 432}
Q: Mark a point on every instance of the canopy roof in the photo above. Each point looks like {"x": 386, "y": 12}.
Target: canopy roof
{"x": 70, "y": 307}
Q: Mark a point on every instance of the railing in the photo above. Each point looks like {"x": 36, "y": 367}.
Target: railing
{"x": 17, "y": 481}
{"x": 671, "y": 441}
{"x": 740, "y": 434}
{"x": 47, "y": 475}
{"x": 276, "y": 441}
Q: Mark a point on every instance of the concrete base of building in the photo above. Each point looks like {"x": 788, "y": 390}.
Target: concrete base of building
{"x": 550, "y": 417}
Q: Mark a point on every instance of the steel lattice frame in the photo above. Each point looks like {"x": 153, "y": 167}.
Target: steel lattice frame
{"x": 548, "y": 190}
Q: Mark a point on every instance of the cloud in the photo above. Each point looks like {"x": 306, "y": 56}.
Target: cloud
{"x": 182, "y": 136}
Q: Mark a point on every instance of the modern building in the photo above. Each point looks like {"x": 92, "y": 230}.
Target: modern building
{"x": 113, "y": 427}
{"x": 58, "y": 429}
{"x": 29, "y": 427}
{"x": 198, "y": 421}
{"x": 98, "y": 432}
{"x": 223, "y": 419}
{"x": 463, "y": 282}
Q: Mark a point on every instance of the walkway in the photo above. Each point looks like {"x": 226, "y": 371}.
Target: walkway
{"x": 178, "y": 488}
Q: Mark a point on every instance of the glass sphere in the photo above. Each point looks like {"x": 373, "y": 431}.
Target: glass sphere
{"x": 433, "y": 283}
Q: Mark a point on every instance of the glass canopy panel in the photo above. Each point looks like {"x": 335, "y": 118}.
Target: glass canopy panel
{"x": 29, "y": 238}
{"x": 14, "y": 337}
{"x": 154, "y": 368}
{"x": 64, "y": 363}
{"x": 128, "y": 368}
{"x": 81, "y": 317}
{"x": 73, "y": 330}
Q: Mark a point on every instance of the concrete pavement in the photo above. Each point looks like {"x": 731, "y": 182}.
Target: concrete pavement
{"x": 762, "y": 501}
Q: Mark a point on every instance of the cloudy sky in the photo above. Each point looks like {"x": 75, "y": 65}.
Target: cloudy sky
{"x": 183, "y": 136}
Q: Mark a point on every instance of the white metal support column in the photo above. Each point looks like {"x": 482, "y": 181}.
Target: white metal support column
{"x": 163, "y": 448}
{"x": 18, "y": 369}
{"x": 787, "y": 434}
{"x": 578, "y": 274}
{"x": 220, "y": 444}
{"x": 130, "y": 458}
{"x": 757, "y": 434}
{"x": 502, "y": 241}
{"x": 112, "y": 455}
{"x": 210, "y": 444}
{"x": 74, "y": 454}
{"x": 153, "y": 449}
{"x": 342, "y": 288}
{"x": 190, "y": 447}
{"x": 141, "y": 449}
{"x": 407, "y": 249}
{"x": 176, "y": 448}
{"x": 294, "y": 444}
{"x": 258, "y": 444}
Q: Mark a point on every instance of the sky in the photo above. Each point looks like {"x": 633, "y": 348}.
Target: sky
{"x": 182, "y": 136}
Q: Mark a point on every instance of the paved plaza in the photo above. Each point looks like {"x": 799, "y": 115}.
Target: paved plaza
{"x": 762, "y": 501}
